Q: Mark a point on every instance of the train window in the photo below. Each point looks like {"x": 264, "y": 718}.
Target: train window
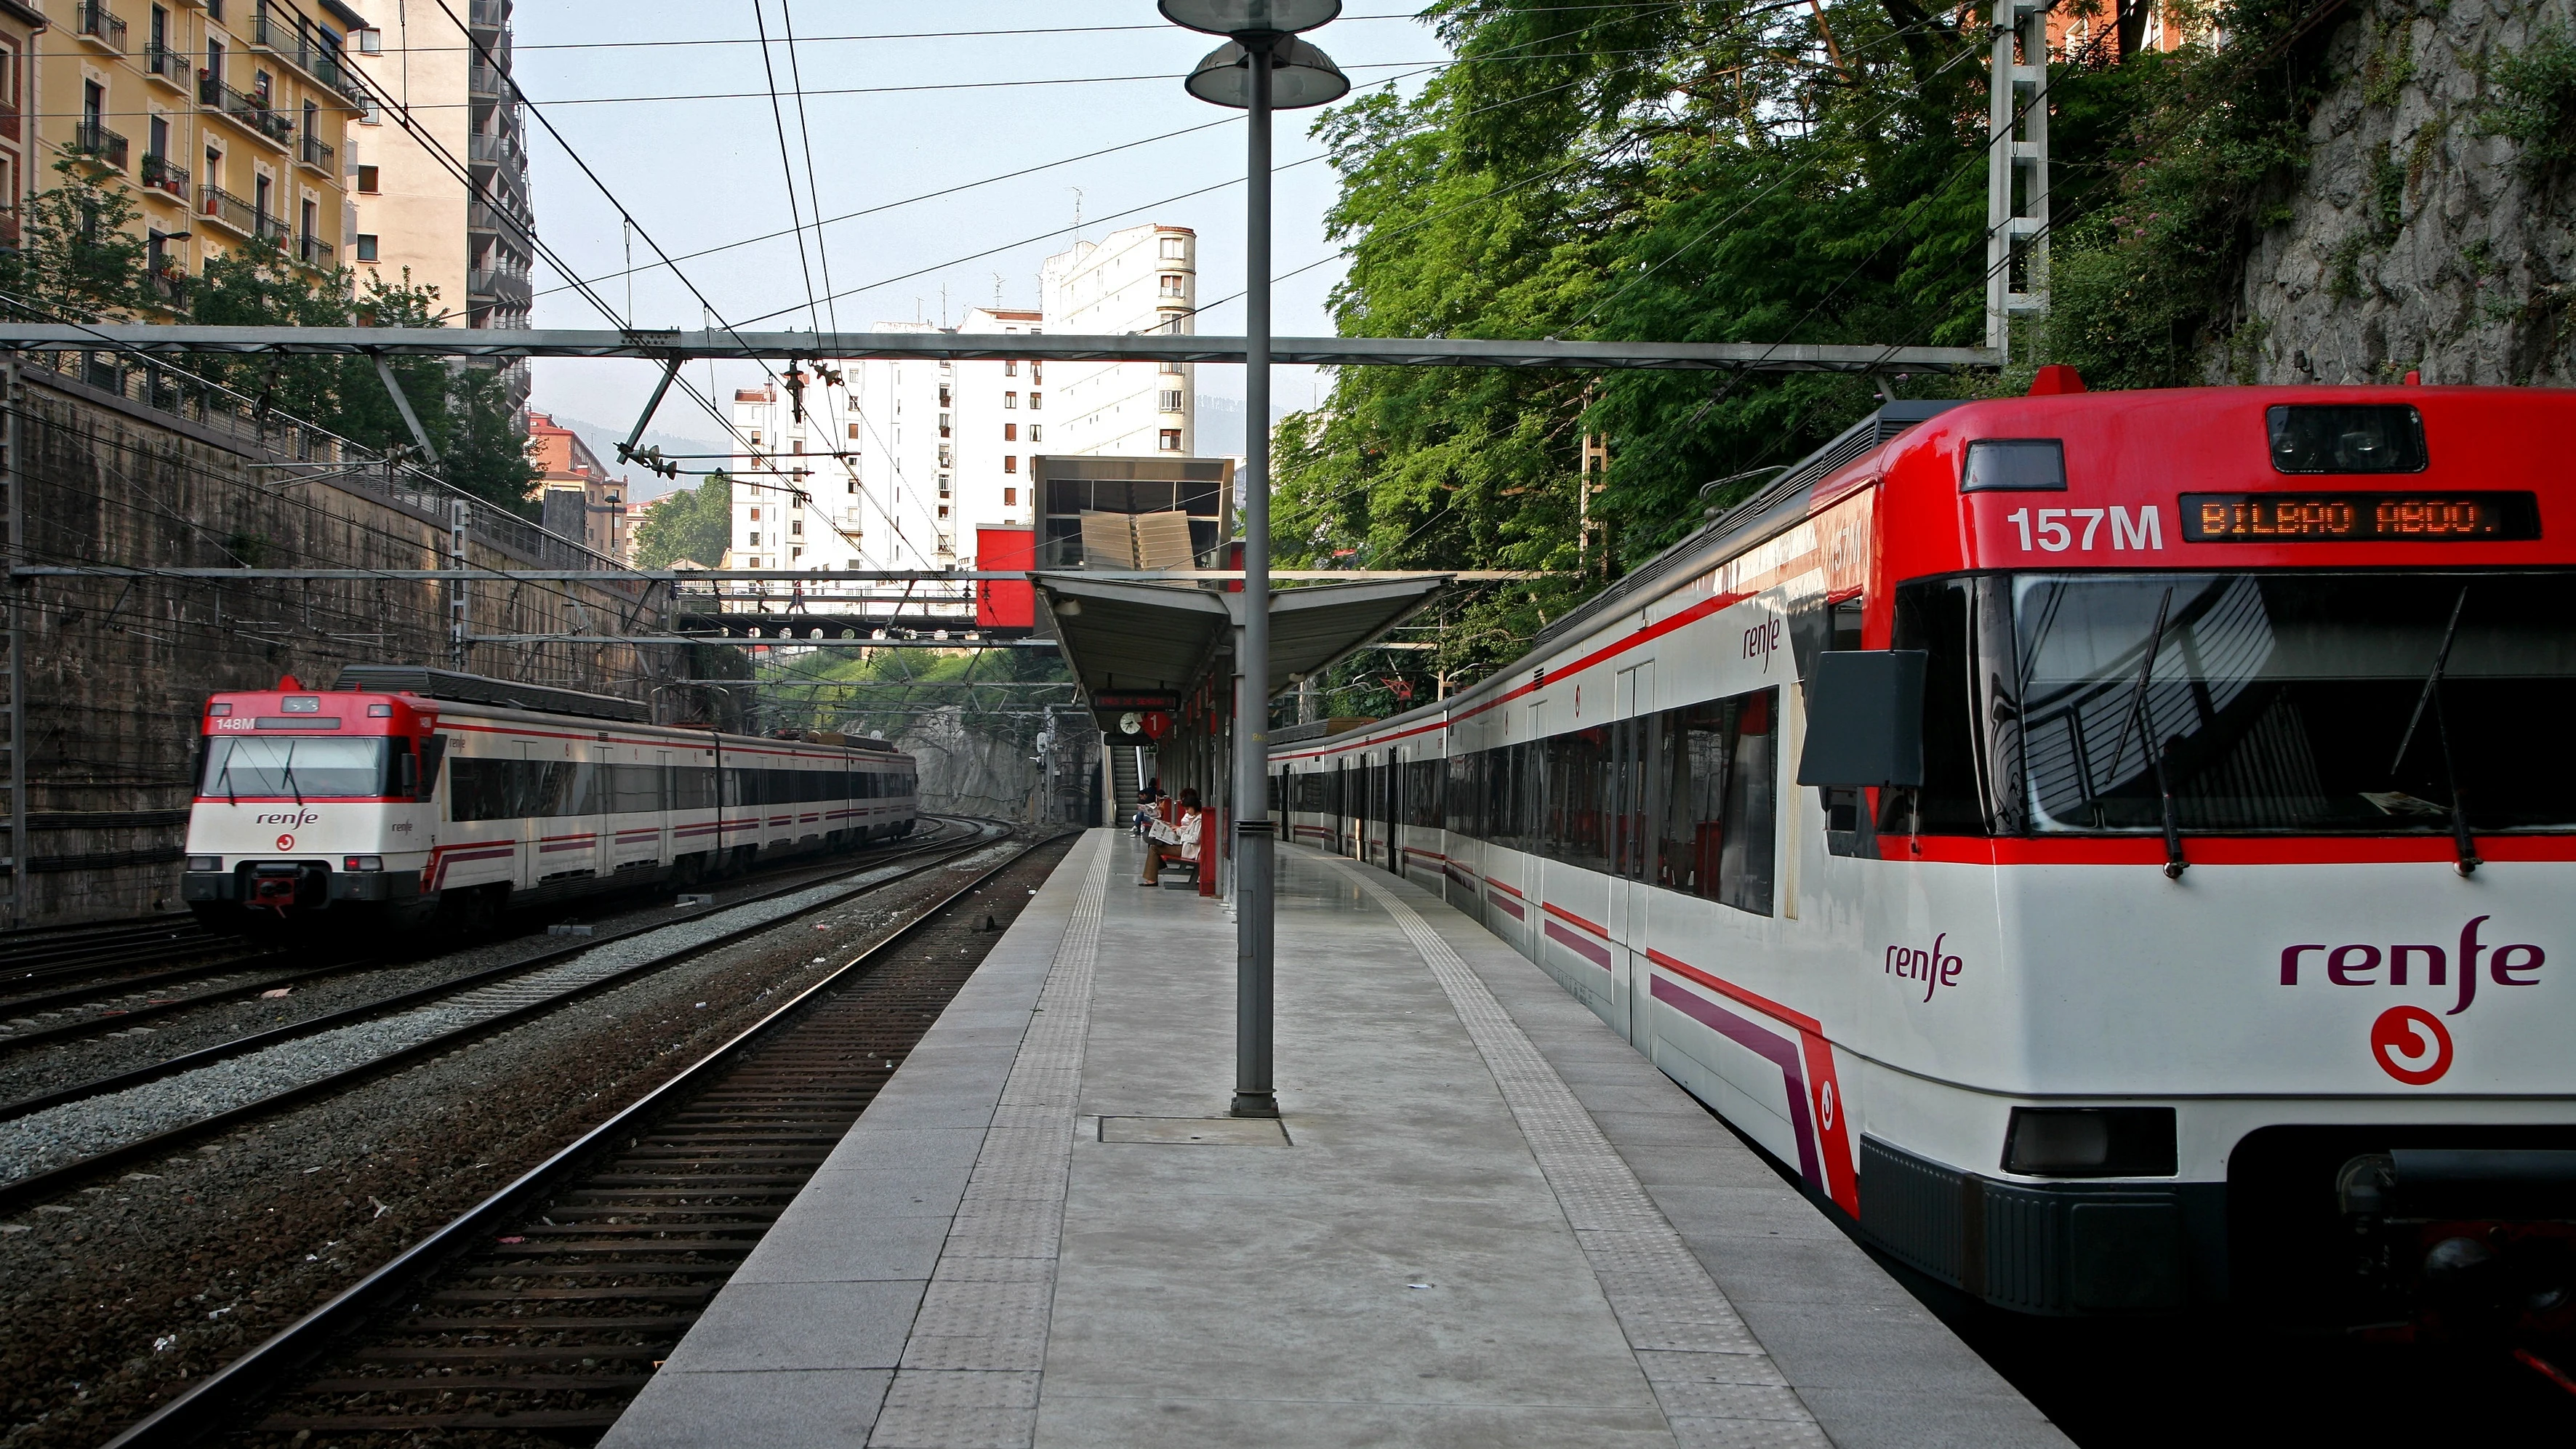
{"x": 1937, "y": 618}
{"x": 1577, "y": 770}
{"x": 693, "y": 787}
{"x": 297, "y": 767}
{"x": 432, "y": 751}
{"x": 1719, "y": 810}
{"x": 635, "y": 788}
{"x": 2313, "y": 702}
{"x": 2346, "y": 438}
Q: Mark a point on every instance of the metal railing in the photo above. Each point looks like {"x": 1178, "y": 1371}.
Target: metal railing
{"x": 289, "y": 40}
{"x": 313, "y": 251}
{"x": 222, "y": 207}
{"x": 484, "y": 83}
{"x": 89, "y": 138}
{"x": 252, "y": 111}
{"x": 317, "y": 155}
{"x": 161, "y": 175}
{"x": 500, "y": 286}
{"x": 168, "y": 64}
{"x": 94, "y": 22}
{"x": 487, "y": 14}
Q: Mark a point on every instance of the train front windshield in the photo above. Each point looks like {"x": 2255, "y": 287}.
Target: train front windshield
{"x": 297, "y": 767}
{"x": 2292, "y": 702}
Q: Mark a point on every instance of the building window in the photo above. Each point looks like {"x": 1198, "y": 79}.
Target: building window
{"x": 1174, "y": 285}
{"x": 1010, "y": 432}
{"x": 943, "y": 510}
{"x": 1037, "y": 401}
{"x": 796, "y": 528}
{"x": 1010, "y": 400}
{"x": 1171, "y": 400}
{"x": 1176, "y": 249}
{"x": 371, "y": 41}
{"x": 1010, "y": 497}
{"x": 943, "y": 394}
{"x": 1037, "y": 372}
{"x": 943, "y": 485}
{"x": 797, "y": 447}
{"x": 1010, "y": 369}
{"x": 854, "y": 485}
{"x": 366, "y": 246}
{"x": 1171, "y": 440}
{"x": 1037, "y": 434}
{"x": 1171, "y": 369}
{"x": 1010, "y": 463}
{"x": 943, "y": 425}
{"x": 755, "y": 538}
{"x": 755, "y": 437}
{"x": 854, "y": 432}
{"x": 794, "y": 554}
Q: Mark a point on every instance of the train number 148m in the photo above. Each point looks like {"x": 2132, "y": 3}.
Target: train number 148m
{"x": 2058, "y": 529}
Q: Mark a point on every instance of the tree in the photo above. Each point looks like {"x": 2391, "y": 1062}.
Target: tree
{"x": 80, "y": 259}
{"x": 693, "y": 523}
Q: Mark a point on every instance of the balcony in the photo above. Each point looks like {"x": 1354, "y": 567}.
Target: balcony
{"x": 97, "y": 142}
{"x": 488, "y": 14}
{"x": 166, "y": 65}
{"x": 508, "y": 289}
{"x": 316, "y": 253}
{"x": 483, "y": 83}
{"x": 290, "y": 41}
{"x": 482, "y": 216}
{"x": 316, "y": 155}
{"x": 252, "y": 113}
{"x": 238, "y": 216}
{"x": 96, "y": 26}
{"x": 160, "y": 175}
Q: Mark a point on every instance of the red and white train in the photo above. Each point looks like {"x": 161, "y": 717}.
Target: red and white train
{"x": 2110, "y": 846}
{"x": 409, "y": 795}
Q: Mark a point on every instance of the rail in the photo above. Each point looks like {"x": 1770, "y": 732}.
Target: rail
{"x": 205, "y": 1407}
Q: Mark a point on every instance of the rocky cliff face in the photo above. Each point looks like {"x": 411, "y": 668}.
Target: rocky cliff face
{"x": 966, "y": 772}
{"x": 2415, "y": 240}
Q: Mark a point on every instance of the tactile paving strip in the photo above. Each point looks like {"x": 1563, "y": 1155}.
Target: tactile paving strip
{"x": 969, "y": 1376}
{"x": 1717, "y": 1387}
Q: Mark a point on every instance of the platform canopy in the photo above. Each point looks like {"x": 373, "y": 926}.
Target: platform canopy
{"x": 1124, "y": 638}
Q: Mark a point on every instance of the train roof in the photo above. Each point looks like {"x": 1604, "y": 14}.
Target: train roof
{"x": 449, "y": 684}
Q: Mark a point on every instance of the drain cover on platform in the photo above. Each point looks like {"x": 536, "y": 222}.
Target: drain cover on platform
{"x": 1197, "y": 1131}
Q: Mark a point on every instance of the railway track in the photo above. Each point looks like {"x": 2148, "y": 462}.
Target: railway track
{"x": 442, "y": 1017}
{"x": 126, "y": 1002}
{"x": 545, "y": 1308}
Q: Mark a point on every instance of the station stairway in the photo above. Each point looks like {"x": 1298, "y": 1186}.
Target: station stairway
{"x": 1127, "y": 780}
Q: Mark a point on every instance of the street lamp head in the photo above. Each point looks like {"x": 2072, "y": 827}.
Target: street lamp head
{"x": 1246, "y": 17}
{"x": 1300, "y": 76}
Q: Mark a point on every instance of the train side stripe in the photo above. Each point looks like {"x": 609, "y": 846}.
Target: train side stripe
{"x": 1764, "y": 1043}
{"x": 1562, "y": 914}
{"x": 1591, "y": 951}
{"x": 1818, "y": 1089}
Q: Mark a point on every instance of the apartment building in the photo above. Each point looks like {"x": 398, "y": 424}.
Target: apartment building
{"x": 1141, "y": 279}
{"x": 577, "y": 497}
{"x": 440, "y": 184}
{"x": 19, "y": 26}
{"x": 228, "y": 119}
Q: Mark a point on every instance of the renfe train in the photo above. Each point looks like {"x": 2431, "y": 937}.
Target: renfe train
{"x": 2117, "y": 850}
{"x": 409, "y": 796}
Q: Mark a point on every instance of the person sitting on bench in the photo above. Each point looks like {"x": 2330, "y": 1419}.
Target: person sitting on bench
{"x": 1175, "y": 842}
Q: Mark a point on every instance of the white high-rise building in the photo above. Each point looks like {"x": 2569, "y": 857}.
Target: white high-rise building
{"x": 1142, "y": 279}
{"x": 899, "y": 462}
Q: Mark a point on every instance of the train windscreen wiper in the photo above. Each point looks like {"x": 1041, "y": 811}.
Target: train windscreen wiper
{"x": 292, "y": 788}
{"x": 2137, "y": 714}
{"x": 2461, "y": 841}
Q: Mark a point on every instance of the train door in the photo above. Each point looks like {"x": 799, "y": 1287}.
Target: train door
{"x": 666, "y": 782}
{"x": 1633, "y": 839}
{"x": 1395, "y": 804}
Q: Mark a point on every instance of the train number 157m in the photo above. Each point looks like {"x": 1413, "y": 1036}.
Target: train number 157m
{"x": 2057, "y": 529}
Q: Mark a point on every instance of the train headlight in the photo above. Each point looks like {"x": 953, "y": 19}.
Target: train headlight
{"x": 2090, "y": 1142}
{"x": 362, "y": 862}
{"x": 205, "y": 862}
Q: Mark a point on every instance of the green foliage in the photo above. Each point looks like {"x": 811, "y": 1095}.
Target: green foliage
{"x": 2535, "y": 102}
{"x": 2199, "y": 142}
{"x": 82, "y": 259}
{"x": 79, "y": 256}
{"x": 877, "y": 692}
{"x": 693, "y": 523}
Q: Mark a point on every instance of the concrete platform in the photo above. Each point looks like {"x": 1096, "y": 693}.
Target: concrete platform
{"x": 1484, "y": 1220}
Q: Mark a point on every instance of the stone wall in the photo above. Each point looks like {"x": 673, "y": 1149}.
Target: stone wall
{"x": 118, "y": 669}
{"x": 969, "y": 771}
{"x": 2415, "y": 241}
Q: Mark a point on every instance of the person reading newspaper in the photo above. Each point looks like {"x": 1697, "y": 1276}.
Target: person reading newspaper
{"x": 1174, "y": 840}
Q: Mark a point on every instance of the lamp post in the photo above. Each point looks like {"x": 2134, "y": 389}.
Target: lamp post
{"x": 1262, "y": 67}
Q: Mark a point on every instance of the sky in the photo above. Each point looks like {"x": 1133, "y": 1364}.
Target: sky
{"x": 926, "y": 116}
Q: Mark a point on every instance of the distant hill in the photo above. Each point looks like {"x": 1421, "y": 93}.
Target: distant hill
{"x": 1221, "y": 424}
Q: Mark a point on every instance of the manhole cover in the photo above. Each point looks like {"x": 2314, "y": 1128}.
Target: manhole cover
{"x": 1197, "y": 1131}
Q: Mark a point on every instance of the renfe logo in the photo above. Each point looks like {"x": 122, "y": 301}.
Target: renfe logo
{"x": 2411, "y": 1044}
{"x": 1932, "y": 968}
{"x": 2360, "y": 965}
{"x": 1762, "y": 639}
{"x": 298, "y": 820}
